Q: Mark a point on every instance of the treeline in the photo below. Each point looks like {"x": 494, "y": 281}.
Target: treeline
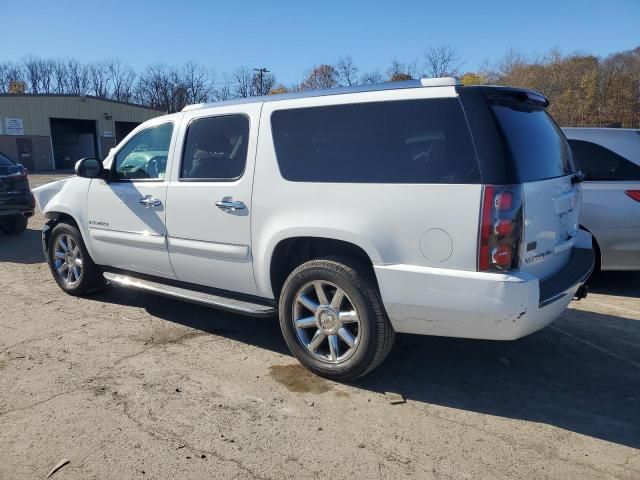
{"x": 584, "y": 90}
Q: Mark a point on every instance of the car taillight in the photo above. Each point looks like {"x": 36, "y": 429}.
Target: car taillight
{"x": 635, "y": 194}
{"x": 500, "y": 228}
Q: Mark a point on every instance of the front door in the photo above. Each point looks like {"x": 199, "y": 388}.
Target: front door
{"x": 127, "y": 214}
{"x": 209, "y": 199}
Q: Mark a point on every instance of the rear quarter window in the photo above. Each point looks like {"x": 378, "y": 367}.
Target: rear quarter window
{"x": 410, "y": 141}
{"x": 536, "y": 146}
{"x": 600, "y": 163}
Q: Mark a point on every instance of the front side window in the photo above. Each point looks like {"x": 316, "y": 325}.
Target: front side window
{"x": 215, "y": 148}
{"x": 408, "y": 141}
{"x": 144, "y": 157}
{"x": 600, "y": 163}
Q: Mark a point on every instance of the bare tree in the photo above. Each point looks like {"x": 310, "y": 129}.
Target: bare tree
{"x": 11, "y": 74}
{"x": 441, "y": 61}
{"x": 372, "y": 77}
{"x": 320, "y": 77}
{"x": 346, "y": 71}
{"x": 99, "y": 79}
{"x": 243, "y": 80}
{"x": 399, "y": 71}
{"x": 60, "y": 76}
{"x": 262, "y": 86}
{"x": 38, "y": 74}
{"x": 122, "y": 79}
{"x": 197, "y": 81}
{"x": 223, "y": 90}
{"x": 77, "y": 78}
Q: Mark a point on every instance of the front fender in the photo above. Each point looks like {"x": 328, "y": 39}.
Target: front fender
{"x": 65, "y": 197}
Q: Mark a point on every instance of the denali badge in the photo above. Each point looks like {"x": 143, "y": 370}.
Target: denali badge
{"x": 98, "y": 224}
{"x": 538, "y": 258}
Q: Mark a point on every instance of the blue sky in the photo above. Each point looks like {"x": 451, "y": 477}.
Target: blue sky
{"x": 288, "y": 37}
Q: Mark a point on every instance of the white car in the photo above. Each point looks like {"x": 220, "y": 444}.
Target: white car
{"x": 421, "y": 207}
{"x": 610, "y": 160}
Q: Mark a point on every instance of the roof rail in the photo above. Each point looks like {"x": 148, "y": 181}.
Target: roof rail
{"x": 425, "y": 82}
{"x": 440, "y": 82}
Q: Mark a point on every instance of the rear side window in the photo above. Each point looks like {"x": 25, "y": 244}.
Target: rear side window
{"x": 535, "y": 144}
{"x": 600, "y": 163}
{"x": 215, "y": 148}
{"x": 412, "y": 141}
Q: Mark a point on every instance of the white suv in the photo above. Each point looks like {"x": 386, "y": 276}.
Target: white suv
{"x": 419, "y": 207}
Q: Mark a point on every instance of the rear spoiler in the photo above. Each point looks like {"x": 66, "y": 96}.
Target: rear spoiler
{"x": 492, "y": 92}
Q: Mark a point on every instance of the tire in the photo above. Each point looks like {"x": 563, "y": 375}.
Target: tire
{"x": 85, "y": 277}
{"x": 368, "y": 338}
{"x": 15, "y": 225}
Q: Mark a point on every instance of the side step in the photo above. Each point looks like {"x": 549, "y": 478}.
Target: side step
{"x": 201, "y": 298}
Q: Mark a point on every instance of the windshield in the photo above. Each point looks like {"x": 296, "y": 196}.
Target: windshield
{"x": 537, "y": 146}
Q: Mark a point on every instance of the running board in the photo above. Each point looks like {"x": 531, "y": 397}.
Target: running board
{"x": 193, "y": 296}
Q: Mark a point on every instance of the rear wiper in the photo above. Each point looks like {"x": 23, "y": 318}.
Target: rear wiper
{"x": 578, "y": 177}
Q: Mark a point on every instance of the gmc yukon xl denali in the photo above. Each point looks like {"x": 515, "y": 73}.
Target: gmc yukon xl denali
{"x": 420, "y": 207}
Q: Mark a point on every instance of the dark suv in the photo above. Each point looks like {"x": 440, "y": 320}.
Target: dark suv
{"x": 16, "y": 199}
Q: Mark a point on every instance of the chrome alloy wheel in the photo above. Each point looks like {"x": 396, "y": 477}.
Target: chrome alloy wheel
{"x": 67, "y": 260}
{"x": 328, "y": 329}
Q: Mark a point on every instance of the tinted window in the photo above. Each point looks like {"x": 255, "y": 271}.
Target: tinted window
{"x": 5, "y": 161}
{"x": 215, "y": 148}
{"x": 144, "y": 157}
{"x": 537, "y": 147}
{"x": 416, "y": 141}
{"x": 600, "y": 163}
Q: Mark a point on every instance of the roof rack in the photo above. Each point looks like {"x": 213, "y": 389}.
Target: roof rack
{"x": 424, "y": 82}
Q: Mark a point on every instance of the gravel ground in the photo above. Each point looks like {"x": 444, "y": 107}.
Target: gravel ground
{"x": 129, "y": 385}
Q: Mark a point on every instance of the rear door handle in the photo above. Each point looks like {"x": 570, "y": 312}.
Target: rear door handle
{"x": 148, "y": 201}
{"x": 230, "y": 205}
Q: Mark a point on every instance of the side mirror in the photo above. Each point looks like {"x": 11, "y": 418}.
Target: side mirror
{"x": 89, "y": 168}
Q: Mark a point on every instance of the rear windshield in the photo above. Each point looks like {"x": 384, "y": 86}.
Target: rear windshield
{"x": 536, "y": 145}
{"x": 5, "y": 162}
{"x": 409, "y": 141}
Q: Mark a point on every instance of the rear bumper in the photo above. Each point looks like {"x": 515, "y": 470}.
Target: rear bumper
{"x": 16, "y": 203}
{"x": 454, "y": 303}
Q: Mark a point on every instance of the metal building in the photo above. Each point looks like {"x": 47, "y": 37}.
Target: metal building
{"x": 51, "y": 132}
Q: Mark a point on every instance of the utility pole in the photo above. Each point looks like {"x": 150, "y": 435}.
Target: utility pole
{"x": 261, "y": 72}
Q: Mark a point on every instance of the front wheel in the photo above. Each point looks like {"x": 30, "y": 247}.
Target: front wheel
{"x": 333, "y": 320}
{"x": 70, "y": 263}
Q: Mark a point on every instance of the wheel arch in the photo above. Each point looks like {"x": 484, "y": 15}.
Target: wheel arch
{"x": 289, "y": 252}
{"x": 61, "y": 215}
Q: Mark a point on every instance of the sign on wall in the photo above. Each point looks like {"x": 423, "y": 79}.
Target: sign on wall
{"x": 14, "y": 126}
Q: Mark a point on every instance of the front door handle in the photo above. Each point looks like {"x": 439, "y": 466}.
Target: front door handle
{"x": 148, "y": 201}
{"x": 228, "y": 204}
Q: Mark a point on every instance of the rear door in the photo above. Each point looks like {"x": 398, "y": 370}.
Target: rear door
{"x": 540, "y": 155}
{"x": 209, "y": 198}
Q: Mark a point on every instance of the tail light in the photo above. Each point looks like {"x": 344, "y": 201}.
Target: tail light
{"x": 635, "y": 194}
{"x": 500, "y": 228}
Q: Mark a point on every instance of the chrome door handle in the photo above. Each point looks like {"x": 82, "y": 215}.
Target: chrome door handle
{"x": 230, "y": 205}
{"x": 149, "y": 201}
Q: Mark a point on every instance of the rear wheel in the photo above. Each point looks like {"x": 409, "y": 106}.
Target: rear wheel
{"x": 332, "y": 319}
{"x": 14, "y": 225}
{"x": 70, "y": 263}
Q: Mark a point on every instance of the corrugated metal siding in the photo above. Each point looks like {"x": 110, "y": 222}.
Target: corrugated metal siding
{"x": 36, "y": 111}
